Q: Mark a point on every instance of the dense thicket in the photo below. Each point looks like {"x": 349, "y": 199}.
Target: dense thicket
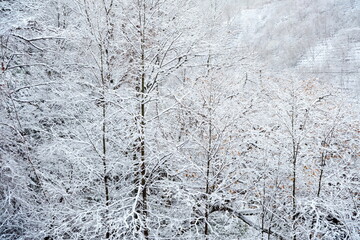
{"x": 142, "y": 119}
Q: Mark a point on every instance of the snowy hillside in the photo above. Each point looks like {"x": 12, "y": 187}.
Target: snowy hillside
{"x": 317, "y": 38}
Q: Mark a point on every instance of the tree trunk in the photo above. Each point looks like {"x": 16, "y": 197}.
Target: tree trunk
{"x": 143, "y": 207}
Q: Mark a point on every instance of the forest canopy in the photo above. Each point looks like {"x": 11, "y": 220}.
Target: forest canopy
{"x": 179, "y": 119}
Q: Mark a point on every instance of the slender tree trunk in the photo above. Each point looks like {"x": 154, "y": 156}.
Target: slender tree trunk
{"x": 294, "y": 189}
{"x": 207, "y": 188}
{"x": 142, "y": 154}
{"x": 209, "y": 158}
{"x": 143, "y": 207}
{"x": 263, "y": 213}
{"x": 295, "y": 150}
{"x": 104, "y": 143}
{"x": 322, "y": 164}
{"x": 104, "y": 160}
